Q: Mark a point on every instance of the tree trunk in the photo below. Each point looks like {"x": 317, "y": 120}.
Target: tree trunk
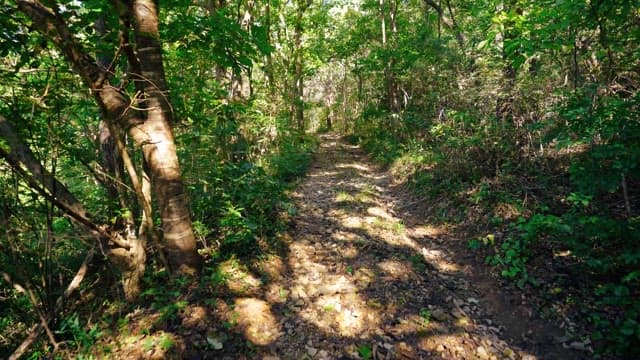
{"x": 160, "y": 151}
{"x": 298, "y": 81}
{"x": 394, "y": 102}
{"x": 504, "y": 103}
{"x": 269, "y": 58}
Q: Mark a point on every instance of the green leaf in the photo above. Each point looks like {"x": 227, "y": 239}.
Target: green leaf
{"x": 365, "y": 351}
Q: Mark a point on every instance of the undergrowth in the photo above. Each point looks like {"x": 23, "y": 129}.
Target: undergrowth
{"x": 239, "y": 206}
{"x": 524, "y": 210}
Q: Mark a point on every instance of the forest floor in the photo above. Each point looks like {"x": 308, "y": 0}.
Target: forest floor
{"x": 361, "y": 274}
{"x": 363, "y": 277}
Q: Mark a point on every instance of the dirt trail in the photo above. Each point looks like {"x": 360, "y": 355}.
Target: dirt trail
{"x": 359, "y": 282}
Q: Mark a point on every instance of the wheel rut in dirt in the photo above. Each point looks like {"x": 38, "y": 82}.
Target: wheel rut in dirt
{"x": 361, "y": 283}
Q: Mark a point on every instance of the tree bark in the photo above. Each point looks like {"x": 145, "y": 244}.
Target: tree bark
{"x": 20, "y": 153}
{"x": 160, "y": 152}
{"x": 298, "y": 80}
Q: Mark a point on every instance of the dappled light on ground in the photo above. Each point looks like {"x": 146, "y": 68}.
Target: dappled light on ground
{"x": 395, "y": 270}
{"x": 437, "y": 259}
{"x": 355, "y": 275}
{"x": 256, "y": 320}
{"x": 352, "y": 222}
{"x": 240, "y": 282}
{"x": 359, "y": 276}
{"x": 358, "y": 167}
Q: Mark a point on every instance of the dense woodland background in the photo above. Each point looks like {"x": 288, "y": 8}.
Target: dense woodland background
{"x": 515, "y": 122}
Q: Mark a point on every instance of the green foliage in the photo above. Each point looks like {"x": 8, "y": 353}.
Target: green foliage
{"x": 365, "y": 351}
{"x": 292, "y": 159}
{"x": 83, "y": 337}
{"x": 425, "y": 314}
{"x": 515, "y": 250}
{"x": 418, "y": 264}
{"x": 239, "y": 202}
{"x": 617, "y": 334}
{"x": 519, "y": 135}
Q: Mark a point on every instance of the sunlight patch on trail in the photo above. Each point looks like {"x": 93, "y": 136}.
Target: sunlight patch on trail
{"x": 328, "y": 300}
{"x": 429, "y": 230}
{"x": 324, "y": 173}
{"x": 239, "y": 281}
{"x": 396, "y": 270}
{"x": 355, "y": 166}
{"x": 352, "y": 222}
{"x": 436, "y": 258}
{"x": 257, "y": 321}
{"x": 380, "y": 212}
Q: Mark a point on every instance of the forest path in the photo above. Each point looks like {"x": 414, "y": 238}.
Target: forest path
{"x": 361, "y": 283}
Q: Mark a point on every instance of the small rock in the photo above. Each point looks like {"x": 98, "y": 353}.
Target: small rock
{"x": 351, "y": 350}
{"x": 406, "y": 350}
{"x": 323, "y": 354}
{"x": 508, "y": 353}
{"x": 473, "y": 300}
{"x": 561, "y": 339}
{"x": 482, "y": 353}
{"x": 387, "y": 346}
{"x": 214, "y": 341}
{"x": 458, "y": 313}
{"x": 488, "y": 342}
{"x": 440, "y": 348}
{"x": 580, "y": 346}
{"x": 439, "y": 315}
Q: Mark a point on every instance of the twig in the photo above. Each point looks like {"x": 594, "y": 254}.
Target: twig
{"x": 625, "y": 194}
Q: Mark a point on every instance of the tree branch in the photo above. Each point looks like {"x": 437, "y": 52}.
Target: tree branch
{"x": 74, "y": 209}
{"x": 22, "y": 154}
{"x": 114, "y": 104}
{"x": 450, "y": 22}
